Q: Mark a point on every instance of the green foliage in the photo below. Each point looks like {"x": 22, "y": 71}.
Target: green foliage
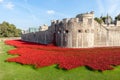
{"x": 9, "y": 30}
{"x": 99, "y": 20}
{"x": 103, "y": 19}
{"x": 107, "y": 17}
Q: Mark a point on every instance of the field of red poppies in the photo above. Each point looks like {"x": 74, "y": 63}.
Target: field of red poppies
{"x": 46, "y": 55}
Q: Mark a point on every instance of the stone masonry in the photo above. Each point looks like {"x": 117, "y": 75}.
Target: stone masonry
{"x": 79, "y": 32}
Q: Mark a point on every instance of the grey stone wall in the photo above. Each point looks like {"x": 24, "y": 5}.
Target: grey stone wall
{"x": 105, "y": 35}
{"x": 74, "y": 33}
{"x": 100, "y": 35}
{"x": 43, "y": 37}
{"x": 113, "y": 38}
{"x": 79, "y": 32}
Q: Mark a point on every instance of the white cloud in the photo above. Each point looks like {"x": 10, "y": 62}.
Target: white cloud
{"x": 9, "y": 5}
{"x": 1, "y": 1}
{"x": 50, "y": 12}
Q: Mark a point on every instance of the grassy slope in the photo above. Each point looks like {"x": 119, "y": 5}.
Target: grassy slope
{"x": 15, "y": 71}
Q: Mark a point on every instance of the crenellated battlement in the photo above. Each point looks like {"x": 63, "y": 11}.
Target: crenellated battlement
{"x": 77, "y": 19}
{"x": 72, "y": 20}
{"x": 65, "y": 21}
{"x": 85, "y": 15}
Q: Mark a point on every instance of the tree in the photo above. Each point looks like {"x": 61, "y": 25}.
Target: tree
{"x": 9, "y": 30}
{"x": 99, "y": 20}
{"x": 107, "y": 19}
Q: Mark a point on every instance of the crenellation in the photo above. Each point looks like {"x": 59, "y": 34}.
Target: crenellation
{"x": 53, "y": 22}
{"x": 92, "y": 12}
{"x": 74, "y": 20}
{"x": 65, "y": 20}
{"x": 58, "y": 21}
{"x": 71, "y": 20}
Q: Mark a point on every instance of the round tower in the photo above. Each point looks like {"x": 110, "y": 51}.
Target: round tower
{"x": 76, "y": 32}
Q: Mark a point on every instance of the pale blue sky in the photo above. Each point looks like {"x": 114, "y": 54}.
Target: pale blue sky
{"x": 33, "y": 13}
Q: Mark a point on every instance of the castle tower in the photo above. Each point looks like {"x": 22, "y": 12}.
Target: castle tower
{"x": 86, "y": 37}
{"x": 87, "y": 18}
{"x": 76, "y": 32}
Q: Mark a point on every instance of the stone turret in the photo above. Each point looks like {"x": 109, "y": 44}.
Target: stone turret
{"x": 87, "y": 18}
{"x": 69, "y": 32}
{"x": 43, "y": 28}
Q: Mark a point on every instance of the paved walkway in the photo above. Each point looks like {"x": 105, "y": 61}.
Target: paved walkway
{"x": 11, "y": 38}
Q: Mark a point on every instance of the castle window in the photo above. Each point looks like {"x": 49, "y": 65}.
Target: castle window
{"x": 66, "y": 31}
{"x": 79, "y": 31}
{"x": 87, "y": 31}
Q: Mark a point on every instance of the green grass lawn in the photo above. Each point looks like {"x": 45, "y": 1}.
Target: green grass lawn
{"x": 16, "y": 71}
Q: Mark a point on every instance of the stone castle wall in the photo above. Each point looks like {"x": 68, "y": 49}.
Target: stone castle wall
{"x": 100, "y": 35}
{"x": 75, "y": 32}
{"x": 43, "y": 37}
{"x": 79, "y": 32}
{"x": 106, "y": 35}
{"x": 114, "y": 38}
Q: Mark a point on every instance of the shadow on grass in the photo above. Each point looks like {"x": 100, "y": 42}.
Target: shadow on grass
{"x": 91, "y": 69}
{"x": 63, "y": 69}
